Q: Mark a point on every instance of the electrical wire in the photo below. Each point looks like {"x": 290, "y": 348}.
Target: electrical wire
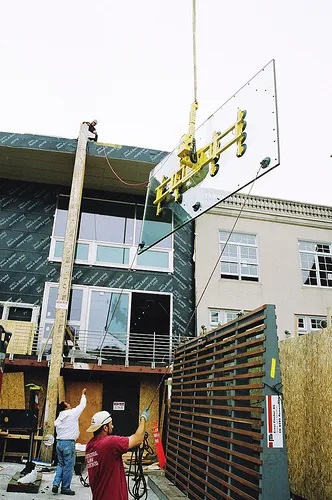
{"x": 139, "y": 489}
{"x": 145, "y": 183}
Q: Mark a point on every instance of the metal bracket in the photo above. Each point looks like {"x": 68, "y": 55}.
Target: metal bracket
{"x": 195, "y": 165}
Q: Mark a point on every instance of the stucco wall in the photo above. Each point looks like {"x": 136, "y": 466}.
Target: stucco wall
{"x": 280, "y": 281}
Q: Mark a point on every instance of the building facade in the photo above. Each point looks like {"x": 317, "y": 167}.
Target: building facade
{"x": 253, "y": 250}
{"x": 126, "y": 311}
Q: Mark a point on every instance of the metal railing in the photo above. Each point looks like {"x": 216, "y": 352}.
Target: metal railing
{"x": 147, "y": 349}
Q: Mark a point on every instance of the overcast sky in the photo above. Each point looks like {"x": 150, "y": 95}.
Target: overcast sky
{"x": 129, "y": 64}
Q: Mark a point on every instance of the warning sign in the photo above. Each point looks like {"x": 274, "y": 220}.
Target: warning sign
{"x": 274, "y": 422}
{"x": 118, "y": 405}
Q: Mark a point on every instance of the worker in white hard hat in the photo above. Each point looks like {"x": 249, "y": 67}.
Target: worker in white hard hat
{"x": 104, "y": 456}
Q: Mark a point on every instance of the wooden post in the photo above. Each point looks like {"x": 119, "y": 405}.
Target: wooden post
{"x": 61, "y": 389}
{"x": 64, "y": 287}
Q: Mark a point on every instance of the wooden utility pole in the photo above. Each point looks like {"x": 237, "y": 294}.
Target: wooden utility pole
{"x": 66, "y": 271}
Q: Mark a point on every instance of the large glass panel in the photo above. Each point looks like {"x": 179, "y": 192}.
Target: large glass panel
{"x": 52, "y": 296}
{"x": 87, "y": 230}
{"x": 81, "y": 253}
{"x": 153, "y": 258}
{"x": 235, "y": 146}
{"x": 114, "y": 229}
{"x": 58, "y": 249}
{"x": 112, "y": 255}
{"x": 108, "y": 320}
{"x": 60, "y": 223}
{"x": 75, "y": 305}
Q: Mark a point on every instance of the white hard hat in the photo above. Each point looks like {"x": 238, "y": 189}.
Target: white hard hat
{"x": 100, "y": 418}
{"x": 94, "y": 121}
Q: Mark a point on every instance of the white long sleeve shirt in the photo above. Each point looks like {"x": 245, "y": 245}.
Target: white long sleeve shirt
{"x": 67, "y": 422}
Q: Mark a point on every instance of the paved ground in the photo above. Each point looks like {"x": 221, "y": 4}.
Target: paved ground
{"x": 7, "y": 470}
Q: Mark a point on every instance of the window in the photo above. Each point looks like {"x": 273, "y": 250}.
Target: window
{"x": 18, "y": 311}
{"x": 222, "y": 316}
{"x": 306, "y": 324}
{"x": 109, "y": 235}
{"x": 239, "y": 260}
{"x": 103, "y": 318}
{"x": 316, "y": 263}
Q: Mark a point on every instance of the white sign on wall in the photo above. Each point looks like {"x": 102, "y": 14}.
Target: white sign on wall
{"x": 61, "y": 304}
{"x": 118, "y": 405}
{"x": 274, "y": 422}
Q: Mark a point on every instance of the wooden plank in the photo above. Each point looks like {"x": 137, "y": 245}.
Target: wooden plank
{"x": 4, "y": 435}
{"x": 229, "y": 463}
{"x": 180, "y": 444}
{"x": 254, "y": 435}
{"x": 13, "y": 485}
{"x": 94, "y": 396}
{"x": 222, "y": 358}
{"x": 201, "y": 472}
{"x": 61, "y": 389}
{"x": 215, "y": 387}
{"x": 197, "y": 380}
{"x": 22, "y": 335}
{"x": 12, "y": 395}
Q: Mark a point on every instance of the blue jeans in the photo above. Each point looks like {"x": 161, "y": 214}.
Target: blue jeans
{"x": 65, "y": 450}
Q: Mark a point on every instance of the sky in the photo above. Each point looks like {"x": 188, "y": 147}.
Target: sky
{"x": 129, "y": 64}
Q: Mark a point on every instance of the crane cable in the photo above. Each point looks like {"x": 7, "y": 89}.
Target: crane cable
{"x": 194, "y": 48}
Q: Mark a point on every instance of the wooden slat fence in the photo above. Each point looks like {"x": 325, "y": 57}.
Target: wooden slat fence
{"x": 217, "y": 440}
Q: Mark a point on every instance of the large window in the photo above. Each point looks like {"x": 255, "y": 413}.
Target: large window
{"x": 239, "y": 259}
{"x": 102, "y": 318}
{"x": 306, "y": 324}
{"x": 109, "y": 235}
{"x": 316, "y": 263}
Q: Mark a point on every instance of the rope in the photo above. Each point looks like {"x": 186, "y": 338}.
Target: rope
{"x": 194, "y": 49}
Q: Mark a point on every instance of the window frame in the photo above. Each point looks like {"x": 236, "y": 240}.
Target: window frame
{"x": 133, "y": 262}
{"x": 83, "y": 323}
{"x": 318, "y": 270}
{"x": 239, "y": 259}
{"x": 222, "y": 315}
{"x": 307, "y": 323}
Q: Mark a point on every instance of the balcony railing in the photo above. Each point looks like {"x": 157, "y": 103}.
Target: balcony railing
{"x": 147, "y": 349}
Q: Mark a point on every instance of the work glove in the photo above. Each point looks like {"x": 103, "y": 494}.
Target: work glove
{"x": 146, "y": 414}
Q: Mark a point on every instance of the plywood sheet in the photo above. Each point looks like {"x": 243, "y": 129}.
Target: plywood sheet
{"x": 12, "y": 394}
{"x": 94, "y": 396}
{"x": 306, "y": 369}
{"x": 149, "y": 395}
{"x": 22, "y": 336}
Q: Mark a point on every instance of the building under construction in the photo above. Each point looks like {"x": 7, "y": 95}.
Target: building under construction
{"x": 125, "y": 312}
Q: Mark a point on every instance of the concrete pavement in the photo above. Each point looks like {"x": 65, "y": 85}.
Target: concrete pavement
{"x": 7, "y": 470}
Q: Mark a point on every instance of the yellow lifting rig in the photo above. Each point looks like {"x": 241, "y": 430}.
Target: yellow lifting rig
{"x": 195, "y": 165}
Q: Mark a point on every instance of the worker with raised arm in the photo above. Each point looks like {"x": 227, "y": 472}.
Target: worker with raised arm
{"x": 104, "y": 456}
{"x": 67, "y": 432}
